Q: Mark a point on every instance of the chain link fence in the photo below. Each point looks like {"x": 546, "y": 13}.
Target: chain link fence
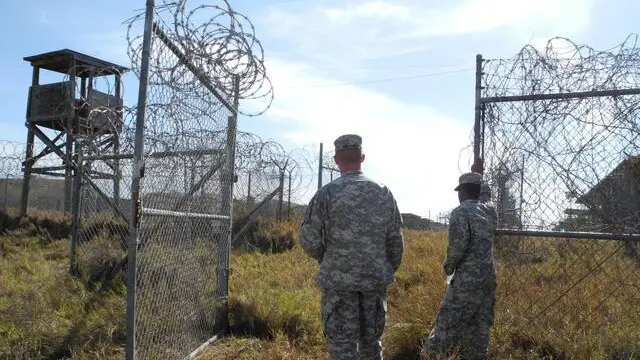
{"x": 328, "y": 170}
{"x": 558, "y": 131}
{"x": 193, "y": 73}
{"x": 47, "y": 193}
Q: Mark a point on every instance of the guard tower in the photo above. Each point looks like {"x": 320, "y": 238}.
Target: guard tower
{"x": 60, "y": 113}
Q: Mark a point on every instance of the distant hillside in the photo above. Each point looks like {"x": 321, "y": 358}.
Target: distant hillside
{"x": 415, "y": 222}
{"x": 48, "y": 194}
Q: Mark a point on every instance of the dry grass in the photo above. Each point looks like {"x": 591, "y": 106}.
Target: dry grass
{"x": 45, "y": 313}
{"x": 275, "y": 303}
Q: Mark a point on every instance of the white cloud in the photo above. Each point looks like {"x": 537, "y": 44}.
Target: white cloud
{"x": 386, "y": 28}
{"x": 414, "y": 149}
{"x": 377, "y": 10}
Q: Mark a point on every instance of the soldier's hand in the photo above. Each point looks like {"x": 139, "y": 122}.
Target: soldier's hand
{"x": 478, "y": 166}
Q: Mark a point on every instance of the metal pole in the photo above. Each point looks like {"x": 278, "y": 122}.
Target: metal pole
{"x": 75, "y": 225}
{"x": 521, "y": 191}
{"x": 281, "y": 195}
{"x": 320, "y": 168}
{"x": 478, "y": 107}
{"x": 249, "y": 191}
{"x": 289, "y": 198}
{"x": 6, "y": 182}
{"x": 222, "y": 296}
{"x": 116, "y": 144}
{"x": 566, "y": 95}
{"x": 71, "y": 130}
{"x": 138, "y": 173}
{"x": 28, "y": 162}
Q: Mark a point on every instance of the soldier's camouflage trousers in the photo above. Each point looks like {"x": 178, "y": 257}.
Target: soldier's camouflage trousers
{"x": 463, "y": 321}
{"x": 353, "y": 322}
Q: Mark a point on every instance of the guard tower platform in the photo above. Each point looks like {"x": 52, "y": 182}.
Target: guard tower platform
{"x": 59, "y": 106}
{"x": 71, "y": 108}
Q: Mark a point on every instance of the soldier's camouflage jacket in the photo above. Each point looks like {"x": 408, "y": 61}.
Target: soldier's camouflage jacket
{"x": 470, "y": 248}
{"x": 352, "y": 226}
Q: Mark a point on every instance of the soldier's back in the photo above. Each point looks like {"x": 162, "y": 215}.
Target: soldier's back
{"x": 359, "y": 213}
{"x": 478, "y": 264}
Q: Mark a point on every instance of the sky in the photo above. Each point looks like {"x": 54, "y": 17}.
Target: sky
{"x": 399, "y": 73}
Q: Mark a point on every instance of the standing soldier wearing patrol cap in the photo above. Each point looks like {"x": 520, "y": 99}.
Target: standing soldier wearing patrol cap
{"x": 466, "y": 312}
{"x": 352, "y": 226}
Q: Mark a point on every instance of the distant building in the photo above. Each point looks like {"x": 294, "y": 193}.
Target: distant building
{"x": 612, "y": 205}
{"x": 615, "y": 200}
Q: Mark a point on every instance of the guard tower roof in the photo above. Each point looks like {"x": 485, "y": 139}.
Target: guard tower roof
{"x": 60, "y": 61}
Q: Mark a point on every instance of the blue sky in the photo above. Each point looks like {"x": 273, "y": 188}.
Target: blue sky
{"x": 330, "y": 63}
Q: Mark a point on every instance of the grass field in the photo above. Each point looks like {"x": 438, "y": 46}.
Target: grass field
{"x": 45, "y": 313}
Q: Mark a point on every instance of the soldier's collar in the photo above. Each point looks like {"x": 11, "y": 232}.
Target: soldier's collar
{"x": 352, "y": 172}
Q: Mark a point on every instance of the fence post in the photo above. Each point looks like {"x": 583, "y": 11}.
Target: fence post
{"x": 6, "y": 192}
{"x": 28, "y": 162}
{"x": 477, "y": 138}
{"x": 289, "y": 198}
{"x": 249, "y": 191}
{"x": 75, "y": 210}
{"x": 116, "y": 144}
{"x": 224, "y": 252}
{"x": 71, "y": 132}
{"x": 521, "y": 192}
{"x": 280, "y": 196}
{"x": 138, "y": 173}
{"x": 320, "y": 168}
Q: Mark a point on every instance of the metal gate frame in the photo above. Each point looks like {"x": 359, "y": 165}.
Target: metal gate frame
{"x": 150, "y": 29}
{"x": 479, "y": 137}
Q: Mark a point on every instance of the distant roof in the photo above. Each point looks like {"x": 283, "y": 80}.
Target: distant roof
{"x": 631, "y": 163}
{"x": 59, "y": 60}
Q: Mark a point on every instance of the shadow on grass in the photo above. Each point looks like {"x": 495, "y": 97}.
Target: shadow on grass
{"x": 407, "y": 352}
{"x": 246, "y": 321}
{"x": 82, "y": 331}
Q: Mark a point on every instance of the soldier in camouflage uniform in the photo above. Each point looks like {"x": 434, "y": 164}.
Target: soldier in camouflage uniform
{"x": 352, "y": 226}
{"x": 466, "y": 312}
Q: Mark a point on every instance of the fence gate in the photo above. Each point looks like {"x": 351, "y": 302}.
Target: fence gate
{"x": 181, "y": 190}
{"x": 559, "y": 133}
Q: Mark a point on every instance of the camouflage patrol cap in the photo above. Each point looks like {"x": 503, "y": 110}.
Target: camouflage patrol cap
{"x": 348, "y": 142}
{"x": 469, "y": 178}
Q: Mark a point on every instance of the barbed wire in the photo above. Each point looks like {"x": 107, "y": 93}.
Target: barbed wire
{"x": 562, "y": 152}
{"x": 218, "y": 40}
{"x": 563, "y": 66}
{"x": 553, "y": 151}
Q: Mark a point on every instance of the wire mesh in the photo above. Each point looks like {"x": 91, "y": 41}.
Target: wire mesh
{"x": 186, "y": 193}
{"x": 580, "y": 301}
{"x": 561, "y": 153}
{"x": 47, "y": 193}
{"x": 259, "y": 164}
{"x": 564, "y": 163}
{"x": 329, "y": 170}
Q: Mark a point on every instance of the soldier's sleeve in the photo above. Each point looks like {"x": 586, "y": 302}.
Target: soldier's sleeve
{"x": 458, "y": 240}
{"x": 312, "y": 228}
{"x": 394, "y": 238}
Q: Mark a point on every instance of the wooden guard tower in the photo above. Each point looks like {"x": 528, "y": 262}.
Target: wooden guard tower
{"x": 60, "y": 108}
